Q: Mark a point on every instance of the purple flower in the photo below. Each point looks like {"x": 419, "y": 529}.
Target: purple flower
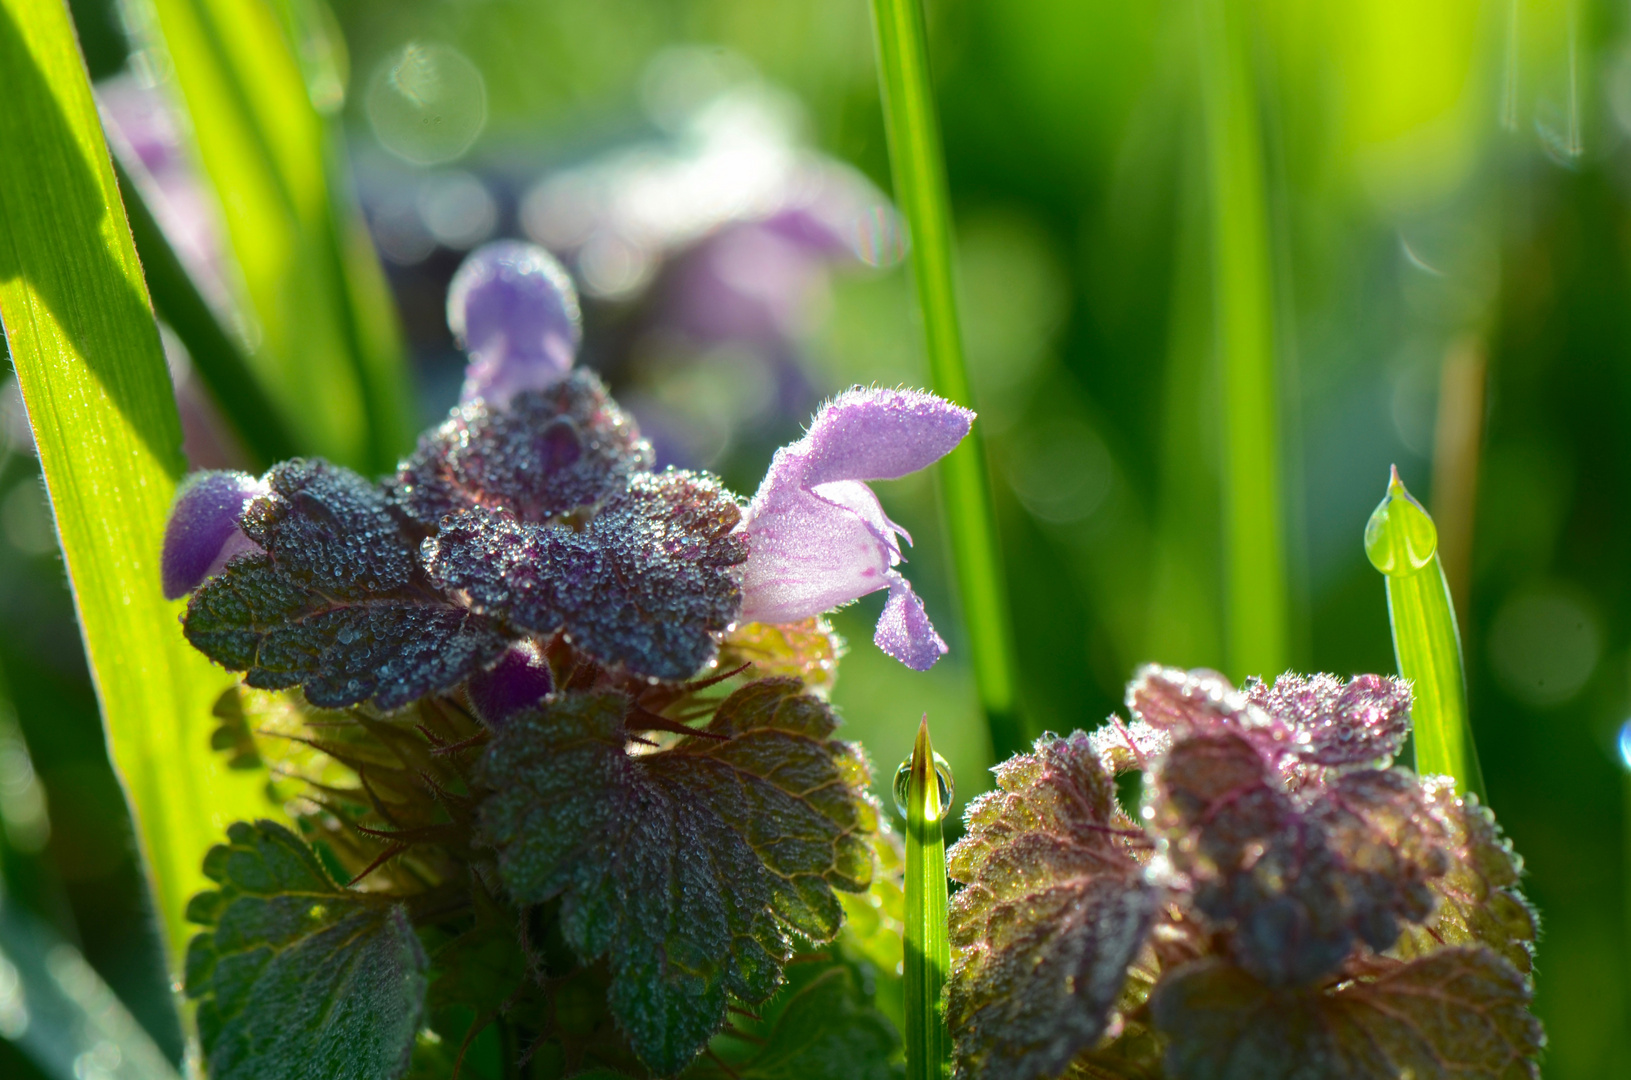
{"x": 817, "y": 537}
{"x": 203, "y": 534}
{"x": 513, "y": 307}
{"x": 519, "y": 681}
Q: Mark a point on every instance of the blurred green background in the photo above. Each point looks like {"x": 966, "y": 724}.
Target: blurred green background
{"x": 1448, "y": 208}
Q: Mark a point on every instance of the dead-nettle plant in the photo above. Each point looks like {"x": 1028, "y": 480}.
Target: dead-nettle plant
{"x": 550, "y": 728}
{"x": 1279, "y": 902}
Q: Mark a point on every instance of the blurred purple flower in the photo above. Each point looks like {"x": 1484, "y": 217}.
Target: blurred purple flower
{"x": 513, "y": 308}
{"x": 520, "y": 680}
{"x": 203, "y": 534}
{"x": 817, "y": 536}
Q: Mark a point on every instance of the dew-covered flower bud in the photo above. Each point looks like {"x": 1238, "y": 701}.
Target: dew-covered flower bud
{"x": 203, "y": 534}
{"x": 520, "y": 680}
{"x": 817, "y": 536}
{"x": 513, "y": 307}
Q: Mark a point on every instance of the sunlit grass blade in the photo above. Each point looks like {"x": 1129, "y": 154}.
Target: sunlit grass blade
{"x": 1256, "y": 617}
{"x": 1402, "y": 543}
{"x": 328, "y": 345}
{"x": 220, "y": 362}
{"x": 928, "y": 950}
{"x": 61, "y": 1014}
{"x": 920, "y": 189}
{"x": 88, "y": 358}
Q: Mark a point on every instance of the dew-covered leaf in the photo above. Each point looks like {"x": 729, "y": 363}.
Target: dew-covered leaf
{"x": 333, "y": 605}
{"x": 1338, "y": 723}
{"x": 1292, "y": 888}
{"x": 1479, "y": 902}
{"x": 1459, "y": 1014}
{"x": 550, "y": 452}
{"x": 808, "y": 651}
{"x": 691, "y": 868}
{"x": 1053, "y": 910}
{"x": 294, "y": 976}
{"x": 1200, "y": 702}
{"x": 825, "y": 1031}
{"x": 646, "y": 584}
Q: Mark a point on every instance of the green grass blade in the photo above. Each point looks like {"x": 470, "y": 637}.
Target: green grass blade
{"x": 927, "y": 947}
{"x": 329, "y": 349}
{"x": 1402, "y": 543}
{"x": 62, "y": 1015}
{"x": 920, "y": 188}
{"x": 1243, "y": 301}
{"x": 87, "y": 355}
{"x": 221, "y": 364}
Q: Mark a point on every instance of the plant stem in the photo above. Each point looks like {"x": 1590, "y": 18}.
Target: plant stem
{"x": 1402, "y": 542}
{"x": 927, "y": 949}
{"x": 920, "y": 188}
{"x": 1243, "y": 299}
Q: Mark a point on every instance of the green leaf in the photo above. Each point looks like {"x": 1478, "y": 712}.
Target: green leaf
{"x": 826, "y": 1031}
{"x": 1053, "y": 911}
{"x": 56, "y": 1008}
{"x": 328, "y": 348}
{"x": 88, "y": 358}
{"x": 919, "y": 170}
{"x": 1256, "y": 636}
{"x": 1402, "y": 543}
{"x": 294, "y": 975}
{"x": 925, "y": 941}
{"x": 1479, "y": 902}
{"x": 1460, "y": 1014}
{"x": 692, "y": 867}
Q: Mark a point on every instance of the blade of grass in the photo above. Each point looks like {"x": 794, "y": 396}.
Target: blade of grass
{"x": 221, "y": 364}
{"x": 60, "y": 1012}
{"x": 1402, "y": 542}
{"x": 1457, "y": 442}
{"x": 87, "y": 355}
{"x": 927, "y": 947}
{"x": 1256, "y": 618}
{"x": 920, "y": 188}
{"x": 329, "y": 349}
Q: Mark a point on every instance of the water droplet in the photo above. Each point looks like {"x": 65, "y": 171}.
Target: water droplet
{"x": 1625, "y": 743}
{"x": 1400, "y": 537}
{"x": 903, "y": 778}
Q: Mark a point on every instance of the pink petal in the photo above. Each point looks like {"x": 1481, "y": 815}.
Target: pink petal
{"x": 873, "y": 434}
{"x": 904, "y": 630}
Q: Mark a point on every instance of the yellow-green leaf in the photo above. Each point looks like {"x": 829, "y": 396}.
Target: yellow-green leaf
{"x": 87, "y": 355}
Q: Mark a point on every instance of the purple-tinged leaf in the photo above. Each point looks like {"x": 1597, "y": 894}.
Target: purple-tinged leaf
{"x": 1364, "y": 720}
{"x": 647, "y": 584}
{"x": 202, "y": 535}
{"x": 513, "y": 307}
{"x": 1053, "y": 911}
{"x": 334, "y": 604}
{"x": 1292, "y": 888}
{"x": 550, "y": 452}
{"x": 690, "y": 868}
{"x": 1479, "y": 902}
{"x": 1201, "y": 702}
{"x": 1459, "y": 1014}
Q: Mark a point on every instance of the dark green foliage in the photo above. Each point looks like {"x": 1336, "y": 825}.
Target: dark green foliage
{"x": 646, "y": 584}
{"x": 825, "y": 1031}
{"x": 693, "y": 869}
{"x": 1459, "y": 1013}
{"x": 295, "y": 976}
{"x": 1053, "y": 911}
{"x": 550, "y": 452}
